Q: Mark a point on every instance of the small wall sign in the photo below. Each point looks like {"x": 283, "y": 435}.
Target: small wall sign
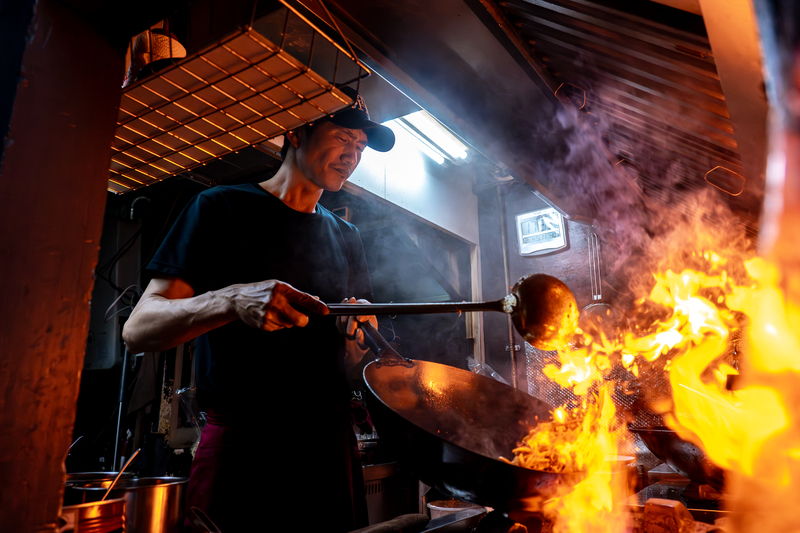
{"x": 540, "y": 232}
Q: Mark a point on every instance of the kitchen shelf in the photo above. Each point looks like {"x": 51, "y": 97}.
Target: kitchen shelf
{"x": 240, "y": 91}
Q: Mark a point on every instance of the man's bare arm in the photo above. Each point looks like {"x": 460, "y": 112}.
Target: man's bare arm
{"x": 169, "y": 313}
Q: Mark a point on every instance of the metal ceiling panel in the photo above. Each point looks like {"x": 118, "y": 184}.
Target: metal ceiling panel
{"x": 654, "y": 84}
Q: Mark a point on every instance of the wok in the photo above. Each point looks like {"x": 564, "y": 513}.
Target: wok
{"x": 682, "y": 456}
{"x": 450, "y": 426}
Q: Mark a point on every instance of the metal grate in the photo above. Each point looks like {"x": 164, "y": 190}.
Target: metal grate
{"x": 235, "y": 93}
{"x": 549, "y": 391}
{"x": 632, "y": 397}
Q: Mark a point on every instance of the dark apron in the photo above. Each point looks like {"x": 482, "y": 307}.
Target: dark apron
{"x": 249, "y": 479}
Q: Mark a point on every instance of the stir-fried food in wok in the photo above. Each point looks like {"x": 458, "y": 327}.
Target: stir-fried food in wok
{"x": 561, "y": 445}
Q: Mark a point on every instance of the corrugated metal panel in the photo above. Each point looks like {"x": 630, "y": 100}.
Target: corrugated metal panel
{"x": 655, "y": 85}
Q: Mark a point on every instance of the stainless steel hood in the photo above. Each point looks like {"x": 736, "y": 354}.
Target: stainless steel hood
{"x": 585, "y": 99}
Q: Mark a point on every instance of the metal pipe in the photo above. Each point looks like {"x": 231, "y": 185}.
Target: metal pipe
{"x": 512, "y": 348}
{"x": 117, "y": 451}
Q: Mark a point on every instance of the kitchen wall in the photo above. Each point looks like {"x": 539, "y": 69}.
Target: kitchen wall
{"x": 571, "y": 265}
{"x": 441, "y": 195}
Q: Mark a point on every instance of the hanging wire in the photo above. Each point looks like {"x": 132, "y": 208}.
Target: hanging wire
{"x": 150, "y": 40}
{"x": 336, "y": 25}
{"x": 253, "y": 14}
{"x": 349, "y": 47}
{"x": 136, "y": 291}
{"x": 391, "y": 328}
{"x": 313, "y": 26}
{"x": 161, "y": 233}
{"x": 168, "y": 30}
{"x": 104, "y": 272}
{"x": 311, "y": 48}
{"x": 285, "y": 29}
{"x": 336, "y": 66}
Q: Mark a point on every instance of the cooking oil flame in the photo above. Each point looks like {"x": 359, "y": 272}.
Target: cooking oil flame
{"x": 687, "y": 322}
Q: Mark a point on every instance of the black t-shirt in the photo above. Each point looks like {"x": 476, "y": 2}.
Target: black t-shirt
{"x": 242, "y": 234}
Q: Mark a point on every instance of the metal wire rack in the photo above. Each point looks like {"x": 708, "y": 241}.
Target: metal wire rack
{"x": 630, "y": 398}
{"x": 237, "y": 92}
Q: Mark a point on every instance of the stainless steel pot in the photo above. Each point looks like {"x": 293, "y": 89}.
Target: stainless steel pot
{"x": 94, "y": 517}
{"x": 152, "y": 504}
{"x": 73, "y": 493}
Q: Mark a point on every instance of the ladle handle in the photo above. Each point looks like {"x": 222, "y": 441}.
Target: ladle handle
{"x": 413, "y": 308}
{"x": 122, "y": 471}
{"x": 382, "y": 349}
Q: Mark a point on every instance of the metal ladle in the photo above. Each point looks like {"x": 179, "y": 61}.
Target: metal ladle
{"x": 122, "y": 470}
{"x": 542, "y": 308}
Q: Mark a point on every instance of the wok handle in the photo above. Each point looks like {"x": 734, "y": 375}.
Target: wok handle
{"x": 382, "y": 349}
{"x": 413, "y": 308}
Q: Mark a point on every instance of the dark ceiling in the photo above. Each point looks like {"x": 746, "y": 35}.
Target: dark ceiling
{"x": 648, "y": 70}
{"x": 589, "y": 102}
{"x": 562, "y": 91}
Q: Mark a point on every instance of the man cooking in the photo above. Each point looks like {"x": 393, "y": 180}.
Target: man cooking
{"x": 245, "y": 269}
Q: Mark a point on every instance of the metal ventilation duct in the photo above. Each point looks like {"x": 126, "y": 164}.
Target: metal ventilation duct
{"x": 651, "y": 73}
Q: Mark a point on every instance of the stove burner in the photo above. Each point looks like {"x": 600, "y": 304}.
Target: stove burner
{"x": 703, "y": 502}
{"x": 522, "y": 522}
{"x": 478, "y": 521}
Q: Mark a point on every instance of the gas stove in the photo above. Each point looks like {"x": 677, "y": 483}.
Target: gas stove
{"x": 672, "y": 499}
{"x": 703, "y": 503}
{"x": 483, "y": 520}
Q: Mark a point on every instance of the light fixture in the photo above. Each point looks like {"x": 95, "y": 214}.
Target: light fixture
{"x": 430, "y": 136}
{"x": 435, "y": 132}
{"x": 406, "y": 137}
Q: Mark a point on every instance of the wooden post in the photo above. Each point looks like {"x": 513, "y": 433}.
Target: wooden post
{"x": 52, "y": 198}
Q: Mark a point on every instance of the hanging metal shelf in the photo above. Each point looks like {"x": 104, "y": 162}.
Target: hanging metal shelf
{"x": 238, "y": 92}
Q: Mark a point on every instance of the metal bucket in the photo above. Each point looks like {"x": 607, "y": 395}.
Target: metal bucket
{"x": 73, "y": 495}
{"x": 153, "y": 504}
{"x": 82, "y": 478}
{"x": 95, "y": 517}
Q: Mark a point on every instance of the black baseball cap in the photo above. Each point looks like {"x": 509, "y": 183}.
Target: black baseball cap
{"x": 356, "y": 117}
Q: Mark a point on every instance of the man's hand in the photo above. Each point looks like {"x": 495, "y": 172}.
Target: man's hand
{"x": 169, "y": 313}
{"x": 355, "y": 348}
{"x": 267, "y": 304}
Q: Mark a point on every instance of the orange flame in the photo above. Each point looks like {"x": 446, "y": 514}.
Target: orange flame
{"x": 579, "y": 440}
{"x": 593, "y": 504}
{"x": 732, "y": 427}
{"x": 753, "y": 432}
{"x": 750, "y": 431}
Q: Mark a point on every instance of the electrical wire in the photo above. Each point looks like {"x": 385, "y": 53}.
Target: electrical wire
{"x": 159, "y": 237}
{"x": 391, "y": 328}
{"x": 104, "y": 272}
{"x": 136, "y": 291}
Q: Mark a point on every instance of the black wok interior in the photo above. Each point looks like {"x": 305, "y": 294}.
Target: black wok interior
{"x": 450, "y": 426}
{"x": 471, "y": 411}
